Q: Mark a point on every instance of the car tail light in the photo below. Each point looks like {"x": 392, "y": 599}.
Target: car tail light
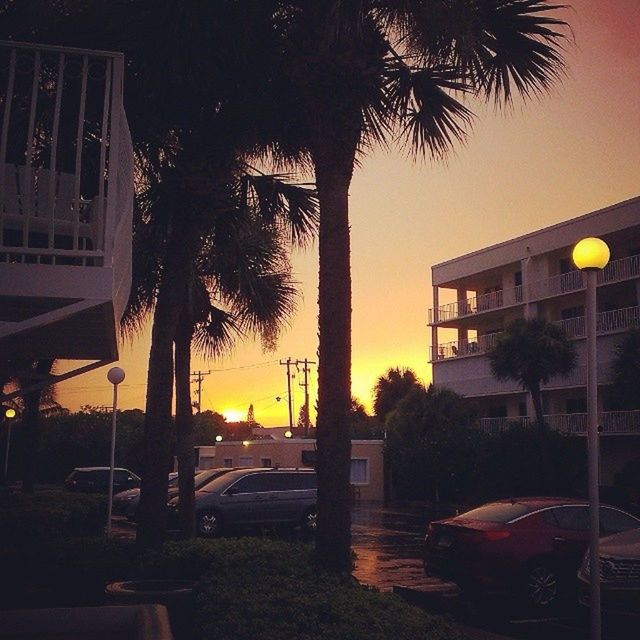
{"x": 492, "y": 536}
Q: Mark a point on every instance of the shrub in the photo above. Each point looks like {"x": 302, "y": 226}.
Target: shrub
{"x": 46, "y": 515}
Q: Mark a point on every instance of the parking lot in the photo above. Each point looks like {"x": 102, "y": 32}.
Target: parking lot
{"x": 387, "y": 542}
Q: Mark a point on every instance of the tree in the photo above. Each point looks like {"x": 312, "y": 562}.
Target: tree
{"x": 238, "y": 282}
{"x": 531, "y": 352}
{"x": 350, "y": 75}
{"x": 390, "y": 388}
{"x": 432, "y": 446}
{"x": 626, "y": 369}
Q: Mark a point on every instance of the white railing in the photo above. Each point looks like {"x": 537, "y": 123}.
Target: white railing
{"x": 606, "y": 322}
{"x": 610, "y": 422}
{"x": 62, "y": 130}
{"x": 478, "y": 304}
{"x": 615, "y": 271}
{"x": 459, "y": 348}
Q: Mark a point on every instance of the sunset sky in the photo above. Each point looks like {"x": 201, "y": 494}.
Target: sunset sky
{"x": 537, "y": 164}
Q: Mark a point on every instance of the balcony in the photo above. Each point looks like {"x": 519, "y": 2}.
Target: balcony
{"x": 615, "y": 271}
{"x": 479, "y": 304}
{"x": 606, "y": 322}
{"x": 66, "y": 202}
{"x": 611, "y": 423}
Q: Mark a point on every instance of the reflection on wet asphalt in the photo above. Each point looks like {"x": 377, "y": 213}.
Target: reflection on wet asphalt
{"x": 387, "y": 542}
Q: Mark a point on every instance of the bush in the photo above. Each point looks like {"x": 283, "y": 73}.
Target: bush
{"x": 48, "y": 515}
{"x": 271, "y": 589}
{"x": 247, "y": 589}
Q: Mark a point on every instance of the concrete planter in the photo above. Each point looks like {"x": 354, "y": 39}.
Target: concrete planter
{"x": 175, "y": 595}
{"x": 136, "y": 622}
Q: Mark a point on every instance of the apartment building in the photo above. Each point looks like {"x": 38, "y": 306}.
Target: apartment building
{"x": 476, "y": 295}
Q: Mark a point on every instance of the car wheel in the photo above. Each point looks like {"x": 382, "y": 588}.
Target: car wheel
{"x": 310, "y": 520}
{"x": 209, "y": 523}
{"x": 542, "y": 586}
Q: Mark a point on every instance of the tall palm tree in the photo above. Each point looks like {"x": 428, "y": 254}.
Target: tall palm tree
{"x": 351, "y": 74}
{"x": 239, "y": 282}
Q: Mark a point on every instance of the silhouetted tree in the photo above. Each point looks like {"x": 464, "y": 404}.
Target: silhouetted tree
{"x": 391, "y": 387}
{"x": 531, "y": 352}
{"x": 626, "y": 371}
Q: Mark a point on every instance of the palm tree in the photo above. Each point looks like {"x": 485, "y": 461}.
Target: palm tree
{"x": 350, "y": 75}
{"x": 391, "y": 387}
{"x": 239, "y": 282}
{"x": 531, "y": 352}
{"x": 625, "y": 367}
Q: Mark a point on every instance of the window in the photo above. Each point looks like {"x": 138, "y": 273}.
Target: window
{"x": 576, "y": 405}
{"x": 497, "y": 512}
{"x": 245, "y": 461}
{"x": 522, "y": 409}
{"x": 207, "y": 462}
{"x": 570, "y": 518}
{"x": 614, "y": 521}
{"x": 359, "y": 471}
{"x": 266, "y": 462}
{"x": 572, "y": 312}
{"x": 228, "y": 462}
{"x": 255, "y": 483}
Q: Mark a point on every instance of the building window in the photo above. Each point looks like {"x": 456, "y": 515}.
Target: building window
{"x": 522, "y": 409}
{"x": 245, "y": 461}
{"x": 207, "y": 462}
{"x": 576, "y": 405}
{"x": 266, "y": 462}
{"x": 359, "y": 471}
{"x": 228, "y": 462}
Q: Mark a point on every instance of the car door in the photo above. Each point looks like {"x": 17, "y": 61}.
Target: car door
{"x": 295, "y": 492}
{"x": 570, "y": 535}
{"x": 248, "y": 500}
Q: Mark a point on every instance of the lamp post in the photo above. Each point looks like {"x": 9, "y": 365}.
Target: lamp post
{"x": 591, "y": 255}
{"x": 8, "y": 416}
{"x": 115, "y": 375}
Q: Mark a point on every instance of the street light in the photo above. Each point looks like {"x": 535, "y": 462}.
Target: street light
{"x": 591, "y": 255}
{"x": 8, "y": 416}
{"x": 115, "y": 375}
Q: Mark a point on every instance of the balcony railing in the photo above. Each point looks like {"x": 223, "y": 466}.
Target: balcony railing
{"x": 606, "y": 322}
{"x": 478, "y": 304}
{"x": 611, "y": 423}
{"x": 615, "y": 271}
{"x": 459, "y": 348}
{"x": 65, "y": 155}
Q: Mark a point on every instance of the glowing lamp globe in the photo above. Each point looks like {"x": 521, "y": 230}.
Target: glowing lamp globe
{"x": 218, "y": 438}
{"x": 115, "y": 375}
{"x": 591, "y": 253}
{"x": 288, "y": 434}
{"x": 10, "y": 413}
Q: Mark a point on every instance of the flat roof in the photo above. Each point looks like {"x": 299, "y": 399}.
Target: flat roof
{"x": 613, "y": 218}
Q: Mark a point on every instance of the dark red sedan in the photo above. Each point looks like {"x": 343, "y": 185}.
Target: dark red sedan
{"x": 528, "y": 547}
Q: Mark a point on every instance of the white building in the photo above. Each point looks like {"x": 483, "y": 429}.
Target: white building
{"x": 66, "y": 202}
{"x": 533, "y": 275}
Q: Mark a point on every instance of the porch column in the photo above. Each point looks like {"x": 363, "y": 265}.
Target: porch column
{"x": 434, "y": 331}
{"x": 461, "y": 296}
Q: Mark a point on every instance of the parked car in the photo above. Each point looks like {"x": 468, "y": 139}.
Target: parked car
{"x": 255, "y": 497}
{"x": 619, "y": 574}
{"x": 530, "y": 547}
{"x": 96, "y": 480}
{"x": 127, "y": 503}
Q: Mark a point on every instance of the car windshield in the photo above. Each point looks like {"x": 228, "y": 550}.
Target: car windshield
{"x": 496, "y": 512}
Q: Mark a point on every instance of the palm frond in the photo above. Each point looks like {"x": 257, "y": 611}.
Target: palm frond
{"x": 216, "y": 333}
{"x": 433, "y": 120}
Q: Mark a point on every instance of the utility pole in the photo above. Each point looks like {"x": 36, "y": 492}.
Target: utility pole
{"x": 198, "y": 376}
{"x": 305, "y": 384}
{"x": 288, "y": 362}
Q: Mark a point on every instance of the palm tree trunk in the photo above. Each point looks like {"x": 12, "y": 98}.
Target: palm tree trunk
{"x": 547, "y": 474}
{"x": 184, "y": 427}
{"x": 334, "y": 167}
{"x": 31, "y": 425}
{"x": 156, "y": 445}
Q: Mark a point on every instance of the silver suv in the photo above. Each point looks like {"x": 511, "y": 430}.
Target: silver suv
{"x": 256, "y": 497}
